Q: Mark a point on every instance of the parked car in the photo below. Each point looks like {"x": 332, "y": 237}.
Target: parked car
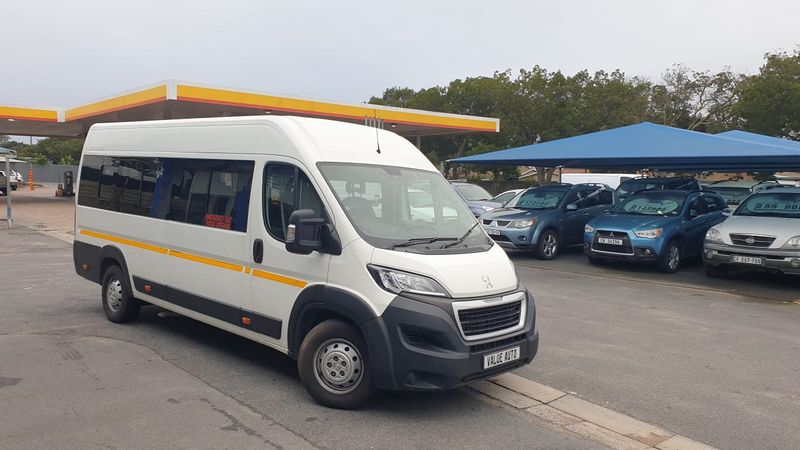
{"x": 543, "y": 219}
{"x": 628, "y": 187}
{"x": 506, "y": 196}
{"x": 13, "y": 180}
{"x": 660, "y": 226}
{"x": 3, "y": 187}
{"x": 477, "y": 199}
{"x": 733, "y": 192}
{"x": 762, "y": 234}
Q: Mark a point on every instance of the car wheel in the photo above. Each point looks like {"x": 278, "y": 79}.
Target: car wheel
{"x": 334, "y": 365}
{"x": 716, "y": 271}
{"x": 118, "y": 303}
{"x": 670, "y": 261}
{"x": 13, "y": 188}
{"x": 547, "y": 248}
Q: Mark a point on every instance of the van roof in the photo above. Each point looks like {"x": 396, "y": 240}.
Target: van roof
{"x": 310, "y": 140}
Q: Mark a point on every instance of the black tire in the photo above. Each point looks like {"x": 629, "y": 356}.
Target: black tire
{"x": 548, "y": 246}
{"x": 13, "y": 188}
{"x": 670, "y": 261}
{"x": 337, "y": 343}
{"x": 716, "y": 271}
{"x": 596, "y": 261}
{"x": 3, "y": 191}
{"x": 118, "y": 303}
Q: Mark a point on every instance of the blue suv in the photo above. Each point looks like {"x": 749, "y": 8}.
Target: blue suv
{"x": 544, "y": 218}
{"x": 660, "y": 226}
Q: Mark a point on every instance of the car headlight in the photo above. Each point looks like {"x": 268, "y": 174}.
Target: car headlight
{"x": 397, "y": 281}
{"x": 588, "y": 229}
{"x": 713, "y": 234}
{"x": 649, "y": 234}
{"x": 522, "y": 223}
{"x": 793, "y": 242}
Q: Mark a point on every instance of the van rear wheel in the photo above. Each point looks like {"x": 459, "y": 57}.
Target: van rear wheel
{"x": 118, "y": 303}
{"x": 333, "y": 365}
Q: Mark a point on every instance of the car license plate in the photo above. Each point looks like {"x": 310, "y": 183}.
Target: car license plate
{"x": 609, "y": 241}
{"x": 757, "y": 260}
{"x": 493, "y": 232}
{"x": 499, "y": 358}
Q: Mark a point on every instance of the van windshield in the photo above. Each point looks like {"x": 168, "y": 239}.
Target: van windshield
{"x": 404, "y": 209}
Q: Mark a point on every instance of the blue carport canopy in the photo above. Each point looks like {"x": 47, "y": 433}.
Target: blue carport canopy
{"x": 650, "y": 146}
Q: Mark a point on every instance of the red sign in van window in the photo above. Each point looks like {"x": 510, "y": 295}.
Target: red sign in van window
{"x": 219, "y": 221}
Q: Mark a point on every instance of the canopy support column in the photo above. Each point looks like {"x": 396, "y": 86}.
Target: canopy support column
{"x": 9, "y": 219}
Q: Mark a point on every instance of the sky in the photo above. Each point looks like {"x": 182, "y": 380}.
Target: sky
{"x": 65, "y": 53}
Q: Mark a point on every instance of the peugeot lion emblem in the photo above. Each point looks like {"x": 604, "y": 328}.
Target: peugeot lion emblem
{"x": 487, "y": 281}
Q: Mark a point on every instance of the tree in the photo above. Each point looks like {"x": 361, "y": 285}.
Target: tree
{"x": 770, "y": 100}
{"x": 695, "y": 100}
{"x": 4, "y": 139}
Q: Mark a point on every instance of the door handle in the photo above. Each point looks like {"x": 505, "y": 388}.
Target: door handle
{"x": 258, "y": 251}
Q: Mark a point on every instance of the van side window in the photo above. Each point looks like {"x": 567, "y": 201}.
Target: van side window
{"x": 286, "y": 189}
{"x": 209, "y": 192}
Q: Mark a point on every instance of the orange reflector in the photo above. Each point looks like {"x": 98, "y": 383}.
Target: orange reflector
{"x": 246, "y": 320}
{"x": 148, "y": 288}
{"x": 85, "y": 267}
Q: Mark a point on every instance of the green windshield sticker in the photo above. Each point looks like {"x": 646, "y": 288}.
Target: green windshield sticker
{"x": 539, "y": 201}
{"x": 650, "y": 206}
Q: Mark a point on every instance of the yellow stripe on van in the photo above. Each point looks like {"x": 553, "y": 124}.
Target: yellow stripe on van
{"x": 120, "y": 240}
{"x": 279, "y": 278}
{"x": 204, "y": 260}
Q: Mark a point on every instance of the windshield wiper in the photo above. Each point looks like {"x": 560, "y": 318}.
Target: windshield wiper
{"x": 417, "y": 241}
{"x": 461, "y": 239}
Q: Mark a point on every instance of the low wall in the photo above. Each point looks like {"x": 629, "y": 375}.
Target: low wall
{"x": 51, "y": 173}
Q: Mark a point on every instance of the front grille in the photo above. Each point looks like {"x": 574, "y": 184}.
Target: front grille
{"x": 748, "y": 240}
{"x": 500, "y": 237}
{"x": 503, "y": 223}
{"x": 497, "y": 344}
{"x": 625, "y": 248}
{"x": 487, "y": 221}
{"x": 489, "y": 319}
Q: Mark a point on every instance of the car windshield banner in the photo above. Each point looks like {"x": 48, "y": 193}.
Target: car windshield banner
{"x": 651, "y": 206}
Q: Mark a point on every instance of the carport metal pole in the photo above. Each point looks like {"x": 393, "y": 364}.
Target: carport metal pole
{"x": 8, "y": 190}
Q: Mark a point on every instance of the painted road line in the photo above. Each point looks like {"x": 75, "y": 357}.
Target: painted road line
{"x": 579, "y": 416}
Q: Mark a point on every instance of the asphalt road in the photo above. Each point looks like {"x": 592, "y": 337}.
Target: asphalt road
{"x": 717, "y": 360}
{"x": 71, "y": 379}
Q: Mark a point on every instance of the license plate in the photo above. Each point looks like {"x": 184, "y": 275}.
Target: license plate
{"x": 609, "y": 241}
{"x": 492, "y": 232}
{"x": 500, "y": 358}
{"x": 757, "y": 260}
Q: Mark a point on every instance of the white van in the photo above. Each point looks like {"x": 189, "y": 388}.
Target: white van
{"x": 612, "y": 180}
{"x": 300, "y": 234}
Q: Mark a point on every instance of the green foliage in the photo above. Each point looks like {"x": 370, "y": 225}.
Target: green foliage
{"x": 770, "y": 101}
{"x": 41, "y": 160}
{"x": 51, "y": 150}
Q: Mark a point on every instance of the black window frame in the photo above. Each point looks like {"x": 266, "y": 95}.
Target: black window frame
{"x": 296, "y": 194}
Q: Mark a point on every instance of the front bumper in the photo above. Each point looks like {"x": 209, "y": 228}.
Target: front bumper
{"x": 635, "y": 249}
{"x": 774, "y": 260}
{"x": 421, "y": 347}
{"x": 515, "y": 238}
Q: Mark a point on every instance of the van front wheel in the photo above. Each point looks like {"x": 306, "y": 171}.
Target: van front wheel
{"x": 119, "y": 305}
{"x": 333, "y": 365}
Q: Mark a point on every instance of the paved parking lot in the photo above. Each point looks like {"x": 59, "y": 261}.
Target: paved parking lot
{"x": 715, "y": 360}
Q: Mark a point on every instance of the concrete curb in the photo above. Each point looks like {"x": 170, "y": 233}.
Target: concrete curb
{"x": 576, "y": 415}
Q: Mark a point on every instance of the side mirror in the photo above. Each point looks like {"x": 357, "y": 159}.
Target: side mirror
{"x": 307, "y": 232}
{"x": 572, "y": 207}
{"x": 693, "y": 213}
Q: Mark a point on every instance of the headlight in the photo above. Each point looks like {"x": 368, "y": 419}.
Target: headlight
{"x": 713, "y": 234}
{"x": 588, "y": 229}
{"x": 397, "y": 281}
{"x": 793, "y": 242}
{"x": 649, "y": 234}
{"x": 522, "y": 223}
